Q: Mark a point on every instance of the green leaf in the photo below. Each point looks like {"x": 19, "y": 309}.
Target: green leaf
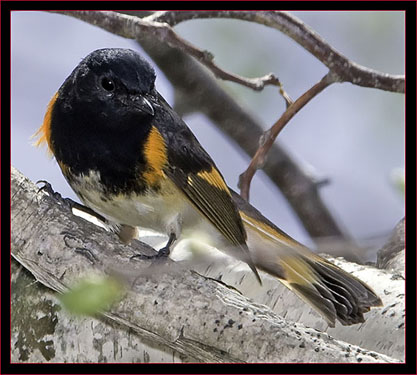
{"x": 398, "y": 179}
{"x": 92, "y": 295}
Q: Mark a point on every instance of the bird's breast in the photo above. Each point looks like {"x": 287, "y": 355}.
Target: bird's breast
{"x": 152, "y": 209}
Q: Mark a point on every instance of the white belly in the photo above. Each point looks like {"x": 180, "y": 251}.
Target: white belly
{"x": 156, "y": 212}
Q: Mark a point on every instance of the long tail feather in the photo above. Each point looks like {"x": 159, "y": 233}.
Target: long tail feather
{"x": 334, "y": 293}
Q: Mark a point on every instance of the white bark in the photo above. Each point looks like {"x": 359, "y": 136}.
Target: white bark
{"x": 167, "y": 306}
{"x": 44, "y": 332}
{"x": 392, "y": 255}
{"x": 383, "y": 331}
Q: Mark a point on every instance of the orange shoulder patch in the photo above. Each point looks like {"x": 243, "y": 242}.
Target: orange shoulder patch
{"x": 155, "y": 153}
{"x": 44, "y": 132}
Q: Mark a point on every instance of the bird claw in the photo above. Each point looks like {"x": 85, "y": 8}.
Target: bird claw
{"x": 47, "y": 187}
{"x": 162, "y": 254}
{"x": 68, "y": 202}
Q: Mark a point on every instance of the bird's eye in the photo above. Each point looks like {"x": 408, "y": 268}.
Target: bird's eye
{"x": 107, "y": 84}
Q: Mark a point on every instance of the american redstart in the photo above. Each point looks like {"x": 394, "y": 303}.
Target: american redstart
{"x": 130, "y": 157}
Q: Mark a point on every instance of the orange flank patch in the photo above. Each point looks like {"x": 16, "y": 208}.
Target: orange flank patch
{"x": 156, "y": 156}
{"x": 44, "y": 132}
{"x": 214, "y": 178}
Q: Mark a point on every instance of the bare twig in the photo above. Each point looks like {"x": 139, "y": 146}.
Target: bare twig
{"x": 269, "y": 137}
{"x": 347, "y": 70}
{"x": 287, "y": 98}
{"x": 131, "y": 27}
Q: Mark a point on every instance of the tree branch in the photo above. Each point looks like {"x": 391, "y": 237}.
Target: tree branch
{"x": 269, "y": 137}
{"x": 344, "y": 68}
{"x": 383, "y": 330}
{"x": 392, "y": 255}
{"x": 218, "y": 325}
{"x": 131, "y": 27}
{"x": 341, "y": 68}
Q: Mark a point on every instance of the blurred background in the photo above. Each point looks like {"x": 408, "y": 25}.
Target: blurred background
{"x": 351, "y": 135}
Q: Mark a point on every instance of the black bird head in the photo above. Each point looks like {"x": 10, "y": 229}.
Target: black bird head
{"x": 112, "y": 84}
{"x": 103, "y": 111}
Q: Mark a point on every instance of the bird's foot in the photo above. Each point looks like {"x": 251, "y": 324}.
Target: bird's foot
{"x": 47, "y": 187}
{"x": 68, "y": 202}
{"x": 162, "y": 254}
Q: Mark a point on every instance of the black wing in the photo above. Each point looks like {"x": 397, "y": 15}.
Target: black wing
{"x": 195, "y": 174}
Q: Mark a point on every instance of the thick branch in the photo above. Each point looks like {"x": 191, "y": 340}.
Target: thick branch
{"x": 218, "y": 324}
{"x": 269, "y": 138}
{"x": 346, "y": 70}
{"x": 383, "y": 330}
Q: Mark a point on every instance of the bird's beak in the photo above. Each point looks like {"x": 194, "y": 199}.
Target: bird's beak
{"x": 143, "y": 104}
